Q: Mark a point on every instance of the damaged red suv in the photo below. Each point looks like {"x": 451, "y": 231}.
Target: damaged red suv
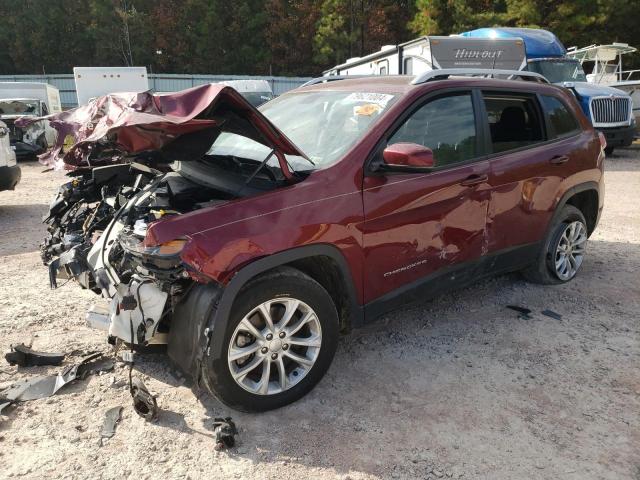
{"x": 246, "y": 240}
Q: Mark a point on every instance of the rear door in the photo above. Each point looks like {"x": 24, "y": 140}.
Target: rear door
{"x": 529, "y": 157}
{"x": 417, "y": 224}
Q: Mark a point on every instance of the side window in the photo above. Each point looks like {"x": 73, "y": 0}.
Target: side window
{"x": 561, "y": 119}
{"x": 446, "y": 125}
{"x": 45, "y": 111}
{"x": 408, "y": 66}
{"x": 514, "y": 120}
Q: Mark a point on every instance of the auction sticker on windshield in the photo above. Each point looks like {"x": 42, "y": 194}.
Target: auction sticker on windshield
{"x": 378, "y": 98}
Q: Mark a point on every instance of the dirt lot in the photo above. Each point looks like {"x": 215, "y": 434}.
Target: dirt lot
{"x": 456, "y": 387}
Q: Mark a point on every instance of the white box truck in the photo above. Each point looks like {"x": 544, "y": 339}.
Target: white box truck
{"x": 92, "y": 82}
{"x": 27, "y": 99}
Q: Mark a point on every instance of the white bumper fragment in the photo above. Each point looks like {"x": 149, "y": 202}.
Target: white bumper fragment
{"x": 142, "y": 319}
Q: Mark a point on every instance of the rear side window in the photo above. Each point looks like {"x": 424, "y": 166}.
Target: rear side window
{"x": 446, "y": 125}
{"x": 561, "y": 119}
{"x": 514, "y": 121}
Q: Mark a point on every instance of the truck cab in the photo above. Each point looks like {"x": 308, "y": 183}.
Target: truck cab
{"x": 609, "y": 109}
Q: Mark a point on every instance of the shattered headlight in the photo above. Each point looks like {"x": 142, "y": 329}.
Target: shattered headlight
{"x": 136, "y": 246}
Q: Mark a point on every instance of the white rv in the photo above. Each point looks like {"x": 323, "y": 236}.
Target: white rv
{"x": 92, "y": 82}
{"x": 26, "y": 99}
{"x": 430, "y": 53}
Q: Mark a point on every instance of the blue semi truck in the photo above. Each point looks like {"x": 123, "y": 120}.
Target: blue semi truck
{"x": 609, "y": 109}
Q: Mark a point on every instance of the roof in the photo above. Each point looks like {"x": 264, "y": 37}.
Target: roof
{"x": 375, "y": 83}
{"x": 402, "y": 84}
{"x": 603, "y": 52}
{"x": 538, "y": 43}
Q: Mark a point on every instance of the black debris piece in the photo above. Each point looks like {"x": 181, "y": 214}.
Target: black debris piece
{"x": 45, "y": 386}
{"x": 523, "y": 311}
{"x": 111, "y": 419}
{"x": 225, "y": 431}
{"x": 25, "y": 357}
{"x": 551, "y": 314}
{"x": 144, "y": 403}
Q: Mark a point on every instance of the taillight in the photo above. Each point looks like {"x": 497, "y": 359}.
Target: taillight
{"x": 603, "y": 140}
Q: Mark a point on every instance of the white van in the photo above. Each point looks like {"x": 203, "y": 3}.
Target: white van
{"x": 26, "y": 99}
{"x": 9, "y": 171}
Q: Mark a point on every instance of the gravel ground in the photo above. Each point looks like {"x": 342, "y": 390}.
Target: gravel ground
{"x": 458, "y": 387}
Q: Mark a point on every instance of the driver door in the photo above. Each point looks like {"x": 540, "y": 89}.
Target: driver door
{"x": 420, "y": 225}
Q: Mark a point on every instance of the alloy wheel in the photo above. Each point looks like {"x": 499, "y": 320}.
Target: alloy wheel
{"x": 570, "y": 250}
{"x": 274, "y": 346}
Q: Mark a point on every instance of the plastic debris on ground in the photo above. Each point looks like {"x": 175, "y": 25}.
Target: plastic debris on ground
{"x": 111, "y": 419}
{"x": 24, "y": 356}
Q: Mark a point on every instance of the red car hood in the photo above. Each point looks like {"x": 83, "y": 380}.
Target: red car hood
{"x": 131, "y": 123}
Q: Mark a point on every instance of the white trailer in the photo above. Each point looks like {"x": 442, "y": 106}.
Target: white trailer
{"x": 435, "y": 52}
{"x": 29, "y": 99}
{"x": 92, "y": 82}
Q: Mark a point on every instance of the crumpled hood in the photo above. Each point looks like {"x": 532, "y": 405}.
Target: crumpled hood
{"x": 131, "y": 123}
{"x": 592, "y": 90}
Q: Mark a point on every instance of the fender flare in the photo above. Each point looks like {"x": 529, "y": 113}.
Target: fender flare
{"x": 581, "y": 187}
{"x": 218, "y": 321}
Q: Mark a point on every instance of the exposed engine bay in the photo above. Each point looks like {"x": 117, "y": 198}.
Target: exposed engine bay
{"x": 144, "y": 170}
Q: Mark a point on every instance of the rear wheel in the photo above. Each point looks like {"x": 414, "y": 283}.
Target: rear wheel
{"x": 563, "y": 250}
{"x": 280, "y": 341}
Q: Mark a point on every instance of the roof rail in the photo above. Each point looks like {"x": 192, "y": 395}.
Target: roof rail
{"x": 441, "y": 74}
{"x": 333, "y": 78}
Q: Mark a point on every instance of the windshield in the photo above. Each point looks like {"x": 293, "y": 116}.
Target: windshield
{"x": 324, "y": 125}
{"x": 19, "y": 107}
{"x": 558, "y": 71}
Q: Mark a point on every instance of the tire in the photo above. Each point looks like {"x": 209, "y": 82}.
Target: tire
{"x": 288, "y": 379}
{"x": 545, "y": 270}
{"x": 608, "y": 150}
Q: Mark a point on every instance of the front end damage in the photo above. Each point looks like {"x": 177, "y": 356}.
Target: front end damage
{"x": 123, "y": 180}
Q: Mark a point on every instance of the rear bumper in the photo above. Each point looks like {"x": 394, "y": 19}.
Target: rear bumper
{"x": 618, "y": 136}
{"x": 9, "y": 177}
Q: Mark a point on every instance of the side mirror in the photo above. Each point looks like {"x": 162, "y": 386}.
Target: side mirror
{"x": 407, "y": 157}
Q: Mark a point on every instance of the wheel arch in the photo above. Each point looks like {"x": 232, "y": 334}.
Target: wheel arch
{"x": 585, "y": 197}
{"x": 322, "y": 262}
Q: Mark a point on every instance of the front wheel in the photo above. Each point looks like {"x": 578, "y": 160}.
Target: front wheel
{"x": 563, "y": 250}
{"x": 280, "y": 341}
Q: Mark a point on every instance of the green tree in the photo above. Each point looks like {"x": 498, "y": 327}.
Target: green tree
{"x": 349, "y": 28}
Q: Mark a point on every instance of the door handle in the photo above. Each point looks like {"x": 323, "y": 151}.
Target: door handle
{"x": 474, "y": 180}
{"x": 559, "y": 160}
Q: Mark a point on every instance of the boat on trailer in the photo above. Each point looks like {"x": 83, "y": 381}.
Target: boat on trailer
{"x": 605, "y": 65}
